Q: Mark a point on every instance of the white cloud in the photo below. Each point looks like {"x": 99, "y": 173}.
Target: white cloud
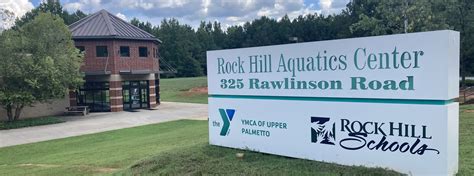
{"x": 332, "y": 6}
{"x": 228, "y": 12}
{"x": 84, "y": 5}
{"x": 121, "y": 16}
{"x": 205, "y": 7}
{"x": 17, "y": 7}
{"x": 71, "y": 7}
{"x": 233, "y": 18}
{"x": 325, "y": 5}
{"x": 304, "y": 11}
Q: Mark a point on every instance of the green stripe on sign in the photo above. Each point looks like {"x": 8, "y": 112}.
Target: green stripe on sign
{"x": 336, "y": 99}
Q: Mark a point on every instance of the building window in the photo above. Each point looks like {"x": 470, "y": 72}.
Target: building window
{"x": 95, "y": 95}
{"x": 82, "y": 49}
{"x": 142, "y": 51}
{"x": 124, "y": 51}
{"x": 101, "y": 51}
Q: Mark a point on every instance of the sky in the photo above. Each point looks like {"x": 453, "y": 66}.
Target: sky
{"x": 228, "y": 12}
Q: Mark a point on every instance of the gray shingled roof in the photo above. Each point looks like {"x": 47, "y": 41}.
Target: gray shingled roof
{"x": 103, "y": 25}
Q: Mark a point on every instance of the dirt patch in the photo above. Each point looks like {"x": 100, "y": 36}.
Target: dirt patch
{"x": 469, "y": 111}
{"x": 201, "y": 90}
{"x": 469, "y": 99}
{"x": 106, "y": 170}
{"x": 196, "y": 91}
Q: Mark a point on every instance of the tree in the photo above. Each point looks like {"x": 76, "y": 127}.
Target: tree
{"x": 284, "y": 30}
{"x": 235, "y": 37}
{"x": 142, "y": 25}
{"x": 205, "y": 38}
{"x": 218, "y": 35}
{"x": 394, "y": 17}
{"x": 73, "y": 17}
{"x": 460, "y": 15}
{"x": 39, "y": 62}
{"x": 54, "y": 7}
{"x": 260, "y": 32}
{"x": 180, "y": 47}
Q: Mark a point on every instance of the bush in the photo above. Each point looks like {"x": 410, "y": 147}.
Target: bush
{"x": 30, "y": 122}
{"x": 469, "y": 83}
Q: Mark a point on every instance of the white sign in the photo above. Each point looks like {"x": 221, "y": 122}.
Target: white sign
{"x": 407, "y": 66}
{"x": 376, "y": 101}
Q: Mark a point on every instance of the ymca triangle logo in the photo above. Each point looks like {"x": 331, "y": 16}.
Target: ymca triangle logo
{"x": 230, "y": 113}
{"x": 227, "y": 115}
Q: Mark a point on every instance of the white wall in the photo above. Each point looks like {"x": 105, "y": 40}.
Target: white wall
{"x": 55, "y": 107}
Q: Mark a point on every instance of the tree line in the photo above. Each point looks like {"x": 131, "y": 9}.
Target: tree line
{"x": 184, "y": 47}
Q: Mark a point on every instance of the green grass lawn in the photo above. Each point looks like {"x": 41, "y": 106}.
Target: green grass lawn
{"x": 179, "y": 90}
{"x": 29, "y": 122}
{"x": 101, "y": 153}
{"x": 179, "y": 148}
{"x": 176, "y": 148}
{"x": 466, "y": 140}
{"x": 203, "y": 159}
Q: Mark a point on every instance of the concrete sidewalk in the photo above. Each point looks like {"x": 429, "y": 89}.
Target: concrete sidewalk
{"x": 99, "y": 122}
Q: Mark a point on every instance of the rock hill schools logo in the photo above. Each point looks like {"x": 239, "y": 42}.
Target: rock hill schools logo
{"x": 356, "y": 135}
{"x": 227, "y": 115}
{"x": 326, "y": 132}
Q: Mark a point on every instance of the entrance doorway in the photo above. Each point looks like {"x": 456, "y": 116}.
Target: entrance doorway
{"x": 135, "y": 95}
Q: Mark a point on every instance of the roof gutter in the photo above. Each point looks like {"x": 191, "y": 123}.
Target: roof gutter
{"x": 117, "y": 37}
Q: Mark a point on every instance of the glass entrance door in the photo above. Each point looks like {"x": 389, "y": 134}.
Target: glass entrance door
{"x": 135, "y": 95}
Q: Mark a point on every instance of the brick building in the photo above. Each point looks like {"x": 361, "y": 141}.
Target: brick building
{"x": 120, "y": 64}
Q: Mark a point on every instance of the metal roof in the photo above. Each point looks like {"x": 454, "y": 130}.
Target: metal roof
{"x": 104, "y": 25}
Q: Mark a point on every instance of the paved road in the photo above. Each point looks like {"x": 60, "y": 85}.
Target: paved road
{"x": 99, "y": 122}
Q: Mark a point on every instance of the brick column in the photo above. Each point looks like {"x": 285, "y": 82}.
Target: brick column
{"x": 72, "y": 98}
{"x": 158, "y": 89}
{"x": 153, "y": 103}
{"x": 116, "y": 98}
